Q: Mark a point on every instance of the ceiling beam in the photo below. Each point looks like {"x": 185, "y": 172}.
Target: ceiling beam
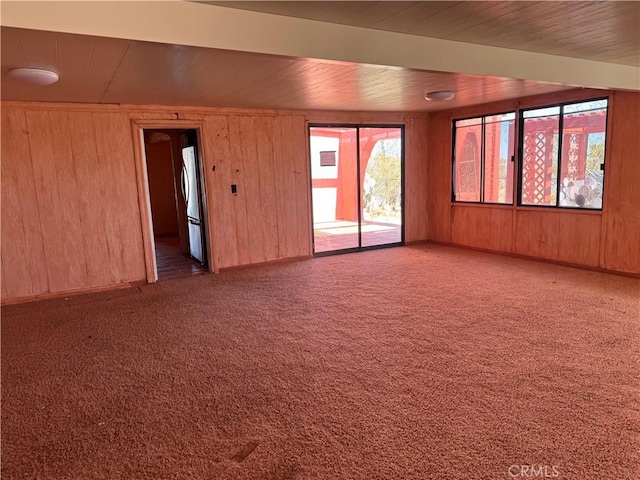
{"x": 193, "y": 24}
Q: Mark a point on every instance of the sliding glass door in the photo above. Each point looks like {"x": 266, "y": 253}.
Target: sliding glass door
{"x": 356, "y": 180}
{"x": 381, "y": 186}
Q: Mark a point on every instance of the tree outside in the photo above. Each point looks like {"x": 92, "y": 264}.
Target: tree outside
{"x": 595, "y": 155}
{"x": 382, "y": 189}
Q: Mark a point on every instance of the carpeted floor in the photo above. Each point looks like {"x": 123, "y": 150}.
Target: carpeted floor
{"x": 408, "y": 363}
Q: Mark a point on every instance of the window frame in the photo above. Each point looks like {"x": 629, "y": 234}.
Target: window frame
{"x": 520, "y": 147}
{"x": 454, "y": 129}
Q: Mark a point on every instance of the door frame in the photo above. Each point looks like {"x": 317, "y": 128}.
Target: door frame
{"x": 144, "y": 200}
{"x": 357, "y": 127}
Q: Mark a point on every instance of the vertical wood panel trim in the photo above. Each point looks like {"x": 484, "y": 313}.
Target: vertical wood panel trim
{"x": 67, "y": 181}
{"x": 266, "y": 180}
{"x": 144, "y": 202}
{"x": 416, "y": 182}
{"x": 115, "y": 151}
{"x": 210, "y": 212}
{"x": 4, "y": 293}
{"x": 48, "y": 198}
{"x": 19, "y": 196}
{"x": 303, "y": 179}
{"x": 97, "y": 245}
{"x": 220, "y": 202}
{"x": 609, "y": 137}
{"x": 285, "y": 191}
{"x": 236, "y": 141}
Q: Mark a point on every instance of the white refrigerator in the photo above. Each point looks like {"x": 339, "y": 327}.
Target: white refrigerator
{"x": 191, "y": 193}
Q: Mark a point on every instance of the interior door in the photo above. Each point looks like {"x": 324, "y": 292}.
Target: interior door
{"x": 191, "y": 190}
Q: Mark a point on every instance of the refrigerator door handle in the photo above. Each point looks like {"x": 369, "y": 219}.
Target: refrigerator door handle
{"x": 184, "y": 184}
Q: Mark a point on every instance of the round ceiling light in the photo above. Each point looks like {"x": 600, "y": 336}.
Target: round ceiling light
{"x": 441, "y": 96}
{"x": 37, "y": 76}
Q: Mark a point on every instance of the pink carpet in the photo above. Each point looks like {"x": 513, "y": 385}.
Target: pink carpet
{"x": 408, "y": 363}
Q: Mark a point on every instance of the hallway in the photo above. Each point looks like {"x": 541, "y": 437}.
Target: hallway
{"x": 172, "y": 263}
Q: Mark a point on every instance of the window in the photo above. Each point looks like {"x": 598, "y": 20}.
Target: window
{"x": 563, "y": 155}
{"x": 328, "y": 159}
{"x": 483, "y": 159}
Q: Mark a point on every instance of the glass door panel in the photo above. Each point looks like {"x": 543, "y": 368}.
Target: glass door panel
{"x": 380, "y": 185}
{"x": 334, "y": 188}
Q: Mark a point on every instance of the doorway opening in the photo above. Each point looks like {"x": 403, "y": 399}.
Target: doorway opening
{"x": 357, "y": 187}
{"x": 176, "y": 195}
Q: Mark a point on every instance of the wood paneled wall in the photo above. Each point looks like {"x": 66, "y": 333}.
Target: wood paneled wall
{"x": 265, "y": 156}
{"x": 608, "y": 240}
{"x": 561, "y": 236}
{"x": 621, "y": 216}
{"x": 492, "y": 227}
{"x": 71, "y": 219}
{"x": 415, "y": 180}
{"x": 439, "y": 178}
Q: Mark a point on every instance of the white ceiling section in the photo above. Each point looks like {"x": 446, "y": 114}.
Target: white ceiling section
{"x": 593, "y": 30}
{"x": 184, "y": 53}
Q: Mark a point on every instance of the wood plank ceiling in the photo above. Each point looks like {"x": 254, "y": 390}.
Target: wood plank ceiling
{"x": 106, "y": 70}
{"x": 593, "y": 30}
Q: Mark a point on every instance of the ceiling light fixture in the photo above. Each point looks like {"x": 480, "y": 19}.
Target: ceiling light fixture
{"x": 37, "y": 76}
{"x": 440, "y": 96}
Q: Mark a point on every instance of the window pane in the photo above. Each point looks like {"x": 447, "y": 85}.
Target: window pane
{"x": 381, "y": 185}
{"x": 541, "y": 112}
{"x": 498, "y": 167}
{"x": 468, "y": 122}
{"x": 586, "y": 106}
{"x": 334, "y": 189}
{"x": 540, "y": 157}
{"x": 500, "y": 118}
{"x": 583, "y": 142}
{"x": 467, "y": 173}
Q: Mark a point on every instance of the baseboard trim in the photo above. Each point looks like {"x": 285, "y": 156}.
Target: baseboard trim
{"x": 263, "y": 264}
{"x": 72, "y": 293}
{"x": 536, "y": 259}
{"x": 415, "y": 242}
{"x": 124, "y": 285}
